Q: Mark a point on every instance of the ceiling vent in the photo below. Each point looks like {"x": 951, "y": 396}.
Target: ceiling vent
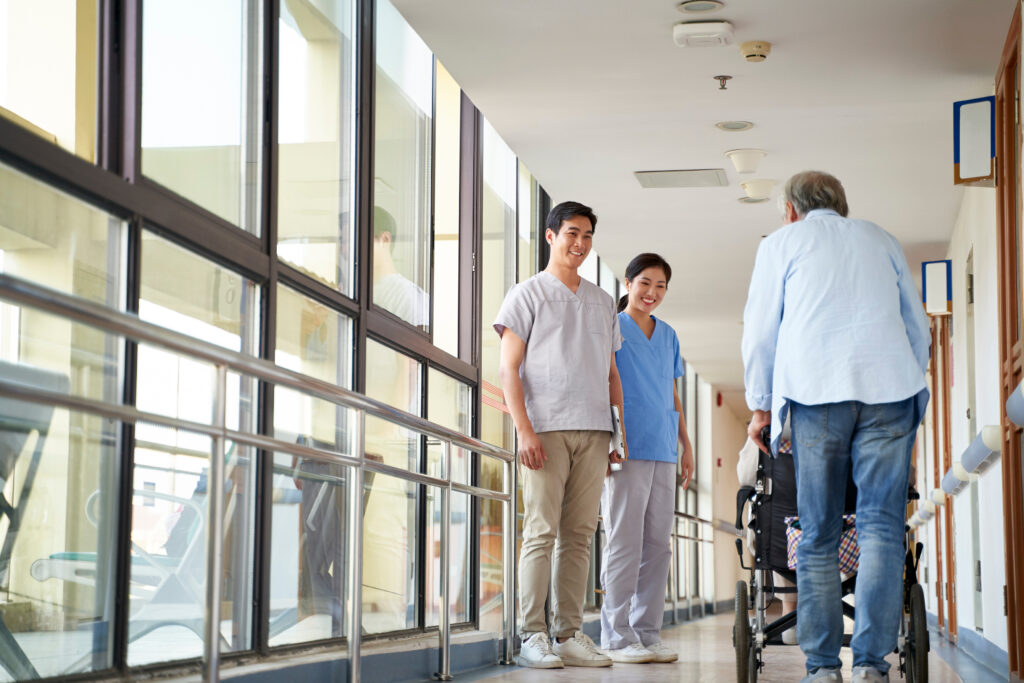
{"x": 702, "y": 34}
{"x": 697, "y": 177}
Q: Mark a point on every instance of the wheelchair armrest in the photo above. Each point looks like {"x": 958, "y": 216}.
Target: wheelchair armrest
{"x": 912, "y": 493}
{"x": 742, "y": 496}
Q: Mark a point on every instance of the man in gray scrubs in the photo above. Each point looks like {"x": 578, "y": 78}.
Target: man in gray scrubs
{"x": 559, "y": 334}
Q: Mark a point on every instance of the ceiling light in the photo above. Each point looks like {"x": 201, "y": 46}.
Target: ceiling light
{"x": 751, "y": 200}
{"x": 699, "y": 6}
{"x": 734, "y": 126}
{"x": 758, "y": 189}
{"x": 746, "y": 160}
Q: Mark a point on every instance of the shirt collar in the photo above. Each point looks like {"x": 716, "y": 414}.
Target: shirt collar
{"x": 820, "y": 212}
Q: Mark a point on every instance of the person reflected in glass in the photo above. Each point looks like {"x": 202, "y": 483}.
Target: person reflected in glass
{"x": 638, "y": 501}
{"x": 393, "y": 291}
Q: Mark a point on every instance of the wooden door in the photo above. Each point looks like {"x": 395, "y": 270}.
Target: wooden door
{"x": 1011, "y": 324}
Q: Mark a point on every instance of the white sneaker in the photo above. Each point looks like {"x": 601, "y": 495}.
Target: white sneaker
{"x": 536, "y": 653}
{"x": 581, "y": 651}
{"x": 662, "y": 652}
{"x": 634, "y": 653}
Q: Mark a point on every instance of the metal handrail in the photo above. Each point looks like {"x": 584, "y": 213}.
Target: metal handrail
{"x": 673, "y": 577}
{"x": 17, "y": 290}
{"x": 26, "y": 293}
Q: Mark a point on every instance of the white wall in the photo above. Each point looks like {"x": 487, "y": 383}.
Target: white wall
{"x": 975, "y": 229}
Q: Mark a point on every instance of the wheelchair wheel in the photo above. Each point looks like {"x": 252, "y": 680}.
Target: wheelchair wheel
{"x": 741, "y": 634}
{"x": 917, "y": 638}
{"x": 752, "y": 666}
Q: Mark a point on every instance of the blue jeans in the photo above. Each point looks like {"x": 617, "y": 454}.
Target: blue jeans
{"x": 875, "y": 442}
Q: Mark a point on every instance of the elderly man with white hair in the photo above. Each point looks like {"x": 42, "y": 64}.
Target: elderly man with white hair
{"x": 836, "y": 336}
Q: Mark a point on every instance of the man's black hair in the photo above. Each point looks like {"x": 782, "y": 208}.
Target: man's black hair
{"x": 567, "y": 210}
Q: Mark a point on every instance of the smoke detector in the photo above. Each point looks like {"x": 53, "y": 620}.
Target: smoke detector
{"x": 755, "y": 50}
{"x": 702, "y": 33}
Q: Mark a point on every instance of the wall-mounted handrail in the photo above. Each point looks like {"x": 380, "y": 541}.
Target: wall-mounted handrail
{"x": 29, "y": 294}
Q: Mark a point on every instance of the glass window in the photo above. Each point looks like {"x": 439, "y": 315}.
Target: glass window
{"x": 588, "y": 269}
{"x": 307, "y": 572}
{"x": 608, "y": 279}
{"x": 491, "y": 565}
{"x": 316, "y": 131}
{"x": 389, "y": 553}
{"x": 191, "y": 295}
{"x": 446, "y": 212}
{"x": 498, "y": 273}
{"x": 529, "y": 223}
{"x": 449, "y": 404}
{"x": 395, "y": 379}
{"x": 202, "y": 111}
{"x": 48, "y": 71}
{"x": 58, "y": 468}
{"x": 309, "y": 525}
{"x": 402, "y": 154}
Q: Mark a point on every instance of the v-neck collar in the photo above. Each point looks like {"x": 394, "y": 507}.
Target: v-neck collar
{"x": 575, "y": 294}
{"x": 640, "y": 330}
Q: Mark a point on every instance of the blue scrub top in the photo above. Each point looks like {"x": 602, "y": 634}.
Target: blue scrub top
{"x": 647, "y": 368}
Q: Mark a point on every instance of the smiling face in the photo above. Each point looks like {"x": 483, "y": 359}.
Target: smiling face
{"x": 647, "y": 289}
{"x": 571, "y": 244}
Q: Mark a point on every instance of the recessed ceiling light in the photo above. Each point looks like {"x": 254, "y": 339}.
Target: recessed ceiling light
{"x": 734, "y": 126}
{"x": 699, "y": 6}
{"x": 751, "y": 200}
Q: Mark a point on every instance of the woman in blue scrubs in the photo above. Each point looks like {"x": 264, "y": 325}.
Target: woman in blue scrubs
{"x": 638, "y": 501}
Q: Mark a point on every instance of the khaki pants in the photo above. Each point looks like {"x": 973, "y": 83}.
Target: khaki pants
{"x": 560, "y": 508}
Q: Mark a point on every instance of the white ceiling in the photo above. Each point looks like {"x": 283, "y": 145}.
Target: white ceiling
{"x": 586, "y": 93}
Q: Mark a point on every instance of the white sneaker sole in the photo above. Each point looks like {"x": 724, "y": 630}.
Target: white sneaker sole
{"x": 633, "y": 660}
{"x": 664, "y": 659}
{"x": 530, "y": 664}
{"x": 586, "y": 662}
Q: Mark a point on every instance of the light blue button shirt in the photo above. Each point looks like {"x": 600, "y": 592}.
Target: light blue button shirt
{"x": 647, "y": 368}
{"x": 832, "y": 315}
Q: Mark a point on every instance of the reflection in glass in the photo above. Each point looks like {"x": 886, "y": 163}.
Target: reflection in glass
{"x": 191, "y": 295}
{"x": 316, "y": 341}
{"x": 449, "y": 404}
{"x": 48, "y": 71}
{"x": 59, "y": 472}
{"x": 202, "y": 113}
{"x": 498, "y": 272}
{"x": 392, "y": 378}
{"x": 447, "y": 120}
{"x": 308, "y": 562}
{"x": 491, "y": 572}
{"x": 459, "y": 575}
{"x": 316, "y": 139}
{"x": 58, "y": 469}
{"x": 389, "y": 552}
{"x": 402, "y": 155}
{"x": 529, "y": 223}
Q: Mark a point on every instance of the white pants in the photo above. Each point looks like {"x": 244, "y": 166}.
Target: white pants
{"x": 637, "y": 506}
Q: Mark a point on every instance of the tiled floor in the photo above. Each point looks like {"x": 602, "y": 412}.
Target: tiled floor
{"x": 705, "y": 654}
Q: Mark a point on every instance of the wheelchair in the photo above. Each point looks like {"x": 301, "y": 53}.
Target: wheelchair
{"x": 768, "y": 503}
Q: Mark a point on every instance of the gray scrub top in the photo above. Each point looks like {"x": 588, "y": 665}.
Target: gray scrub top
{"x": 570, "y": 339}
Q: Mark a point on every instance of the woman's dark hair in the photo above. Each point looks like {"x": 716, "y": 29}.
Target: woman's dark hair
{"x": 639, "y": 264}
{"x": 567, "y": 210}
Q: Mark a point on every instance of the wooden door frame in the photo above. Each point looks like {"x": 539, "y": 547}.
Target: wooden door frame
{"x": 1008, "y": 214}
